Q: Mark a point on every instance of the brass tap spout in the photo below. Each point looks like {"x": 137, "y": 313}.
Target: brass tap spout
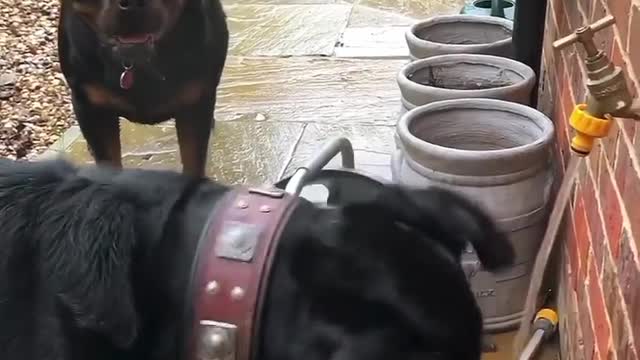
{"x": 608, "y": 95}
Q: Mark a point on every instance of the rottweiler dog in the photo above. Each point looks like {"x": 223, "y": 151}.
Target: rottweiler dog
{"x": 147, "y": 61}
{"x": 95, "y": 263}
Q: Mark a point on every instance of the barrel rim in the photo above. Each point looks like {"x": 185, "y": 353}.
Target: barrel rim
{"x": 412, "y": 38}
{"x": 414, "y": 145}
{"x": 405, "y": 84}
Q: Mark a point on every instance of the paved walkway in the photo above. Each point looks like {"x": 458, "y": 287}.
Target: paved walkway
{"x": 299, "y": 73}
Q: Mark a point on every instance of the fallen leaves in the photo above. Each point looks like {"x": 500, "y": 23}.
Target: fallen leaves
{"x": 35, "y": 107}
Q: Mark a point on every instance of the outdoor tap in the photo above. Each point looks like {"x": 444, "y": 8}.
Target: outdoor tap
{"x": 608, "y": 95}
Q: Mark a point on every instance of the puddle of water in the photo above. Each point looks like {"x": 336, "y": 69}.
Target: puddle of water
{"x": 323, "y": 90}
{"x": 250, "y": 153}
{"x": 372, "y": 144}
{"x": 285, "y": 30}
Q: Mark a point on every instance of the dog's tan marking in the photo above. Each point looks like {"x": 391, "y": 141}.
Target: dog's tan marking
{"x": 98, "y": 95}
{"x": 88, "y": 10}
{"x": 188, "y": 95}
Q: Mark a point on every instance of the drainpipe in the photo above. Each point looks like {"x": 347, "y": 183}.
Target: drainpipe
{"x": 528, "y": 35}
{"x": 497, "y": 9}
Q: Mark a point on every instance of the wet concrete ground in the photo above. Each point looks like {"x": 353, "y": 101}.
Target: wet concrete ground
{"x": 300, "y": 72}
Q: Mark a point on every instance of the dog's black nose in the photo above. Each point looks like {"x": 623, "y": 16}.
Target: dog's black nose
{"x": 129, "y": 4}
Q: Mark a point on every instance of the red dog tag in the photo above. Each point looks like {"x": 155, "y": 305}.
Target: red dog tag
{"x": 126, "y": 79}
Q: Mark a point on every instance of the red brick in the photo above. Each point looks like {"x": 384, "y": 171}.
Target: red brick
{"x": 546, "y": 93}
{"x": 634, "y": 36}
{"x": 584, "y": 316}
{"x": 598, "y": 311}
{"x": 628, "y": 128}
{"x": 597, "y": 356}
{"x": 577, "y": 77}
{"x": 591, "y": 206}
{"x": 629, "y": 277}
{"x": 610, "y": 285}
{"x": 582, "y": 235}
{"x": 609, "y": 144}
{"x": 616, "y": 56}
{"x": 620, "y": 10}
{"x": 605, "y": 37}
{"x": 631, "y": 196}
{"x": 596, "y": 225}
{"x": 574, "y": 256}
{"x": 562, "y": 139}
{"x": 623, "y": 167}
{"x": 632, "y": 354}
{"x": 635, "y": 323}
{"x": 561, "y": 17}
{"x": 564, "y": 88}
{"x": 613, "y": 303}
{"x": 612, "y": 212}
{"x": 595, "y": 160}
{"x": 574, "y": 15}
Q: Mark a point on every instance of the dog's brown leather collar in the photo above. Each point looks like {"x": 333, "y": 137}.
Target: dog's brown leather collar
{"x": 232, "y": 270}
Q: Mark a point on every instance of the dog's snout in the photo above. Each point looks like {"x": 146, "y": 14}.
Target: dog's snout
{"x": 131, "y": 4}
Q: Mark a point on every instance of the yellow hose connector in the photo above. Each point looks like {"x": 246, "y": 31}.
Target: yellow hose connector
{"x": 549, "y": 315}
{"x": 587, "y": 127}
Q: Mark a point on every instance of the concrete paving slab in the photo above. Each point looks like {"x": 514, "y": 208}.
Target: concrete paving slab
{"x": 323, "y": 90}
{"x": 418, "y": 9}
{"x": 250, "y": 153}
{"x": 365, "y": 16}
{"x": 372, "y": 146}
{"x": 285, "y": 30}
{"x": 373, "y": 42}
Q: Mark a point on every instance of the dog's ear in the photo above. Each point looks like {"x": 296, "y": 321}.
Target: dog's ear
{"x": 86, "y": 242}
{"x": 443, "y": 215}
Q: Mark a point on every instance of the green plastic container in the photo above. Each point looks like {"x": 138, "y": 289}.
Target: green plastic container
{"x": 505, "y": 8}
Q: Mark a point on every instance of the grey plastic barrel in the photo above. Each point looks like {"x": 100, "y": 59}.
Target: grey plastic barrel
{"x": 498, "y": 154}
{"x": 460, "y": 34}
{"x": 457, "y": 76}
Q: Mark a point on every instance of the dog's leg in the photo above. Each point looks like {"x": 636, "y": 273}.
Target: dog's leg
{"x": 101, "y": 130}
{"x": 194, "y": 128}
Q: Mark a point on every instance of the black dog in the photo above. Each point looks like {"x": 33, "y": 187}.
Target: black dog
{"x": 95, "y": 265}
{"x": 147, "y": 61}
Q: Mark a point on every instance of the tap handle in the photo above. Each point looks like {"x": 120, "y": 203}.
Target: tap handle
{"x": 584, "y": 34}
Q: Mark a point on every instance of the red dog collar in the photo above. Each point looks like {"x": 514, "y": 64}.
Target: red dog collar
{"x": 232, "y": 271}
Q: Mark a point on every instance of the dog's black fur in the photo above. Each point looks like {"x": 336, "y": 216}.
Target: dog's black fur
{"x": 95, "y": 264}
{"x": 177, "y": 61}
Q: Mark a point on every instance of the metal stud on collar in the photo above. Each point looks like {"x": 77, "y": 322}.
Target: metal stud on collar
{"x": 212, "y": 287}
{"x": 217, "y": 341}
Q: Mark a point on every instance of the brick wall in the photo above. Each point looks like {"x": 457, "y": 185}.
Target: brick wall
{"x": 600, "y": 299}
